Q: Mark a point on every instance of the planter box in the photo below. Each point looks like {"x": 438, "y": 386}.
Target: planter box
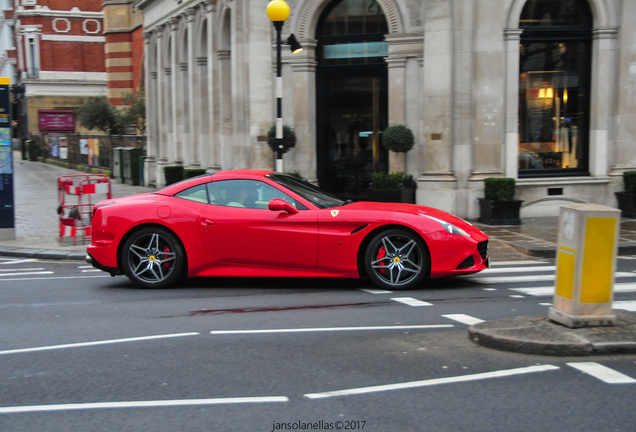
{"x": 627, "y": 203}
{"x": 499, "y": 212}
{"x": 393, "y": 195}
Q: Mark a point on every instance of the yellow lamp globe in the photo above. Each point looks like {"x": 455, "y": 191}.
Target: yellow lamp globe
{"x": 278, "y": 10}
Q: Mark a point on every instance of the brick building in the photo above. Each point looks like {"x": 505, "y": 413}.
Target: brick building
{"x": 61, "y": 59}
{"x": 124, "y": 49}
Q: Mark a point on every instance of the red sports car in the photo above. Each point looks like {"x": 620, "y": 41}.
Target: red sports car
{"x": 267, "y": 224}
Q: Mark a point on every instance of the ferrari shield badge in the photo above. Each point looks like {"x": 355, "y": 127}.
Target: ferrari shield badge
{"x": 334, "y": 213}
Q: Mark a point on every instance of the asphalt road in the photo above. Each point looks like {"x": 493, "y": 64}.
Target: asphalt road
{"x": 81, "y": 351}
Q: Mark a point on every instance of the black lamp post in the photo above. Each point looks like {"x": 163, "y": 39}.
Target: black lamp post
{"x": 278, "y": 12}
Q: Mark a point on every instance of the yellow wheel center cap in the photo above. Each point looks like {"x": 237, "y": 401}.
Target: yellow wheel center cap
{"x": 152, "y": 258}
{"x": 396, "y": 260}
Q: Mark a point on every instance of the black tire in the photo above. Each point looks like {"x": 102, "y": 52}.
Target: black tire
{"x": 396, "y": 259}
{"x": 153, "y": 258}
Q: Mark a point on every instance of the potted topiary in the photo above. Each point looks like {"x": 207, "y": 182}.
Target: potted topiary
{"x": 394, "y": 187}
{"x": 499, "y": 206}
{"x": 627, "y": 198}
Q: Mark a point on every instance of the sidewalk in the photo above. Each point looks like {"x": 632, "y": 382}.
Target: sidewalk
{"x": 37, "y": 232}
{"x": 36, "y": 219}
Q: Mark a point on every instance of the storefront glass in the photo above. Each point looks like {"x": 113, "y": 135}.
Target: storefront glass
{"x": 554, "y": 88}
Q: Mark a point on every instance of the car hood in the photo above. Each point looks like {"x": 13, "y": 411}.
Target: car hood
{"x": 413, "y": 209}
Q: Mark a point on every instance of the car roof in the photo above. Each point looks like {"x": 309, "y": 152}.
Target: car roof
{"x": 221, "y": 175}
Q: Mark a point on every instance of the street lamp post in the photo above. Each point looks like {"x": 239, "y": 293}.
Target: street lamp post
{"x": 278, "y": 12}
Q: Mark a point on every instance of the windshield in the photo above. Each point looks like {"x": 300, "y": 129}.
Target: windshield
{"x": 311, "y": 193}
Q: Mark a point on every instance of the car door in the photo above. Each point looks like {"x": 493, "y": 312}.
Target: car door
{"x": 240, "y": 234}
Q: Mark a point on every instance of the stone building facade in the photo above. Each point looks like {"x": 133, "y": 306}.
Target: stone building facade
{"x": 538, "y": 90}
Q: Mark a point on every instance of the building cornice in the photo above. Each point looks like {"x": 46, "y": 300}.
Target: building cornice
{"x": 73, "y": 13}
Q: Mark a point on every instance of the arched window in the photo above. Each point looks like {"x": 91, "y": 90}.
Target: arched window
{"x": 554, "y": 86}
{"x": 352, "y": 32}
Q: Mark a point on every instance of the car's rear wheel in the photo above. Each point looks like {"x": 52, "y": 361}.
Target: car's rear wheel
{"x": 396, "y": 259}
{"x": 153, "y": 258}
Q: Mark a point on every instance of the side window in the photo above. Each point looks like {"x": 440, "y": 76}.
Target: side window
{"x": 197, "y": 193}
{"x": 246, "y": 193}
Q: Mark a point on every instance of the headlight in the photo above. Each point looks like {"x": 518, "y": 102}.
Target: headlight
{"x": 450, "y": 227}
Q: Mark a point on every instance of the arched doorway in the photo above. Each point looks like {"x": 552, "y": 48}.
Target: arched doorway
{"x": 351, "y": 96}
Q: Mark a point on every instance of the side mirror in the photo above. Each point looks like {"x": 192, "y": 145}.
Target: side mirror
{"x": 278, "y": 204}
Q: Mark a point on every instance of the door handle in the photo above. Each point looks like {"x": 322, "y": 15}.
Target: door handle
{"x": 206, "y": 222}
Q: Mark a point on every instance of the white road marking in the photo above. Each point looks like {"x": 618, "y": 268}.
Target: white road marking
{"x": 26, "y": 269}
{"x": 17, "y": 261}
{"x": 432, "y": 382}
{"x": 511, "y": 263}
{"x": 605, "y": 374}
{"x": 628, "y": 305}
{"x": 141, "y": 404}
{"x": 26, "y": 274}
{"x": 464, "y": 319}
{"x": 104, "y": 342}
{"x": 58, "y": 277}
{"x": 549, "y": 290}
{"x": 376, "y": 291}
{"x": 411, "y": 301}
{"x": 530, "y": 278}
{"x": 331, "y": 329}
{"x": 518, "y": 270}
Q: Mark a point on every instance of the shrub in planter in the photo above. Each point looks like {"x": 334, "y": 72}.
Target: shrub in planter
{"x": 499, "y": 189}
{"x": 189, "y": 173}
{"x": 629, "y": 178}
{"x": 173, "y": 174}
{"x": 394, "y": 187}
{"x": 382, "y": 180}
{"x": 499, "y": 206}
{"x": 627, "y": 198}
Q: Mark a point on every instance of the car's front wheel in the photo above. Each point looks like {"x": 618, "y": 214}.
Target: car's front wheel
{"x": 153, "y": 258}
{"x": 396, "y": 259}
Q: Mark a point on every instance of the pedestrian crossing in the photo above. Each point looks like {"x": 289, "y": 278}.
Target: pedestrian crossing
{"x": 528, "y": 279}
{"x": 542, "y": 277}
{"x": 17, "y": 269}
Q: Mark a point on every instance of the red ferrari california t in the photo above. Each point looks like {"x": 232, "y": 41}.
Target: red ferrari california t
{"x": 251, "y": 223}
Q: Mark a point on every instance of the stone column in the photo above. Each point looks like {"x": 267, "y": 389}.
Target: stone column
{"x": 512, "y": 39}
{"x": 175, "y": 154}
{"x": 304, "y": 101}
{"x": 150, "y": 71}
{"x": 603, "y": 73}
{"x": 191, "y": 139}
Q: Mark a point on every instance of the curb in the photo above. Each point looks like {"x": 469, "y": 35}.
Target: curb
{"x": 55, "y": 254}
{"x": 541, "y": 336}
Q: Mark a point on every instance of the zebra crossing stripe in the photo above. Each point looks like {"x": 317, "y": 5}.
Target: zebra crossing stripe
{"x": 549, "y": 290}
{"x": 411, "y": 301}
{"x": 603, "y": 373}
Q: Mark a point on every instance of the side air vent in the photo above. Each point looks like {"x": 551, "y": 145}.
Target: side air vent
{"x": 360, "y": 228}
